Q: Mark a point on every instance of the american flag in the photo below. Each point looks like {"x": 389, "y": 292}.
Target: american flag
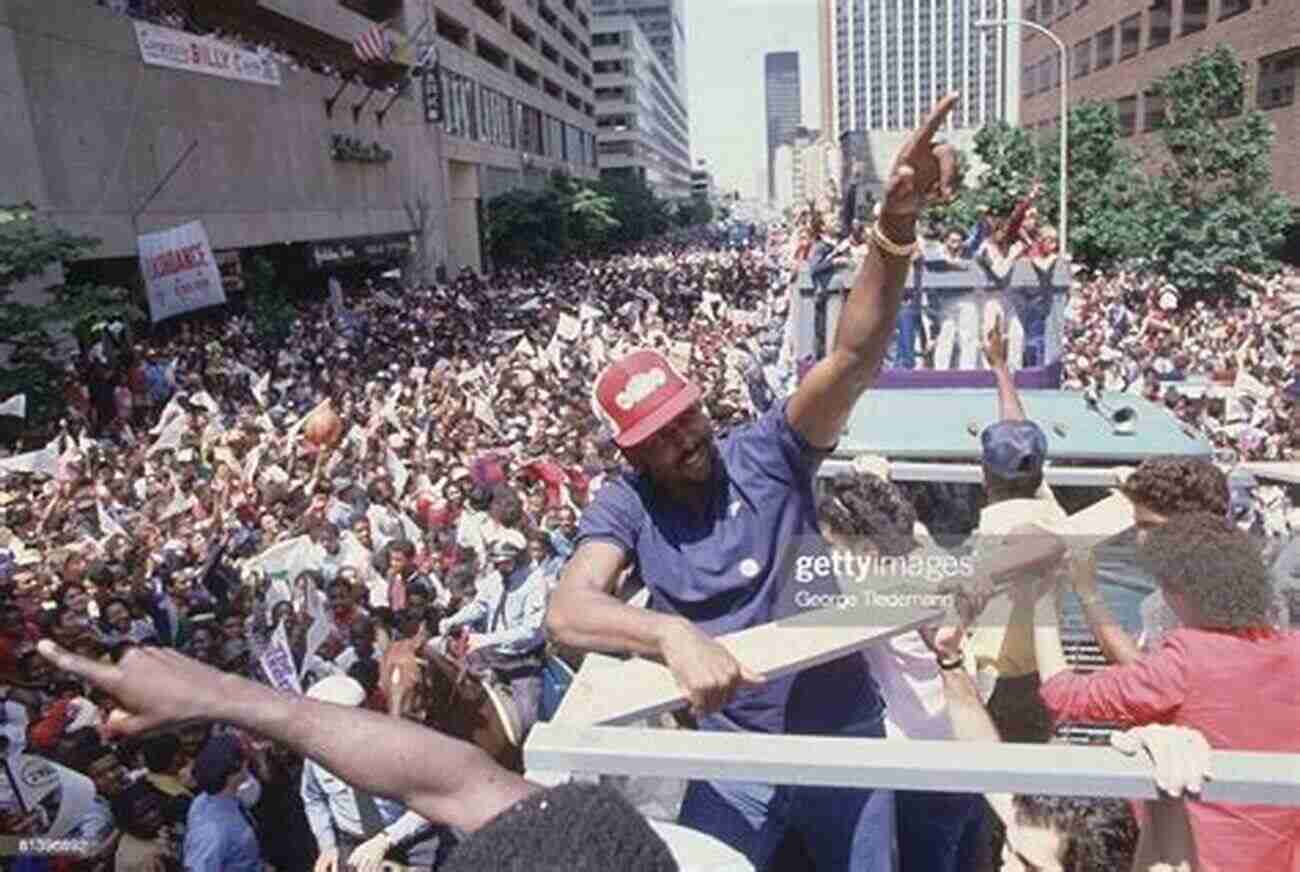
{"x": 373, "y": 46}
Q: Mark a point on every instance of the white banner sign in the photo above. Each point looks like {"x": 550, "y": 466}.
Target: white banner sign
{"x": 179, "y": 271}
{"x": 15, "y": 406}
{"x": 277, "y": 663}
{"x": 178, "y": 50}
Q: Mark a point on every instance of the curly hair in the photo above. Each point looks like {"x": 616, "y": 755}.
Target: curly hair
{"x": 1217, "y": 567}
{"x": 1178, "y": 485}
{"x": 869, "y": 507}
{"x": 1100, "y": 833}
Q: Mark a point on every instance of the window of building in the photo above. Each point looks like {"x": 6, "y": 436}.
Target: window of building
{"x": 1229, "y": 8}
{"x": 608, "y": 67}
{"x": 1130, "y": 36}
{"x": 1153, "y": 111}
{"x": 1082, "y": 61}
{"x": 460, "y": 117}
{"x": 1196, "y": 14}
{"x": 490, "y": 53}
{"x": 1105, "y": 40}
{"x": 451, "y": 30}
{"x": 606, "y": 39}
{"x": 1158, "y": 24}
{"x": 1277, "y": 79}
{"x": 493, "y": 8}
{"x": 1128, "y": 108}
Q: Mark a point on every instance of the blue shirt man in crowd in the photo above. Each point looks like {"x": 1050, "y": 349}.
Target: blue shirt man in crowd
{"x": 713, "y": 525}
{"x": 219, "y": 833}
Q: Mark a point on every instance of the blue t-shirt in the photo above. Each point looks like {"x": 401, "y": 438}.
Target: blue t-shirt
{"x": 731, "y": 567}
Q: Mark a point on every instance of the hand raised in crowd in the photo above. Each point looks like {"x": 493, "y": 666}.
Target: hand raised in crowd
{"x": 706, "y": 671}
{"x": 922, "y": 170}
{"x": 995, "y": 345}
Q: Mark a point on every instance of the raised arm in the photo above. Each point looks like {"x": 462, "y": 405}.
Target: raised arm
{"x": 441, "y": 778}
{"x": 821, "y": 406}
{"x": 995, "y": 351}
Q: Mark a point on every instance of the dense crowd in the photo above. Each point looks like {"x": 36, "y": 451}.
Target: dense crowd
{"x": 187, "y": 504}
{"x": 196, "y": 497}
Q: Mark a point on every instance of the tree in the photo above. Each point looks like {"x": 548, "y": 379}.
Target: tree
{"x": 269, "y": 306}
{"x": 1212, "y": 206}
{"x": 31, "y": 332}
{"x": 694, "y": 212}
{"x": 592, "y": 214}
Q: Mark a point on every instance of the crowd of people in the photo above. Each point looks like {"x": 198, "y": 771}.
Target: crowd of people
{"x": 185, "y": 503}
{"x": 416, "y": 464}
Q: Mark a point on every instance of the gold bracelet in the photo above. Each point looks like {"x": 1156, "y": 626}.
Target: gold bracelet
{"x": 889, "y": 246}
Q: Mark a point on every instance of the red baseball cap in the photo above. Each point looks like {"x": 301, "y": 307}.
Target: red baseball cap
{"x": 640, "y": 394}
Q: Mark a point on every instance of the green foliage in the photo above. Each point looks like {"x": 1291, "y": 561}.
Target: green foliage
{"x": 1212, "y": 206}
{"x": 568, "y": 216}
{"x": 269, "y": 305}
{"x": 1209, "y": 206}
{"x": 31, "y": 333}
{"x": 694, "y": 212}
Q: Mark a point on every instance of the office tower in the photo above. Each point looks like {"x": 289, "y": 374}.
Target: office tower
{"x": 784, "y": 107}
{"x": 894, "y": 59}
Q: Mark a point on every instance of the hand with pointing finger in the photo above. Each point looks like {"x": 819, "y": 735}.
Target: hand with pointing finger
{"x": 922, "y": 171}
{"x": 152, "y": 687}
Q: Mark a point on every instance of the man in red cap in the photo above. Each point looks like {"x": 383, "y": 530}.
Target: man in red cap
{"x": 715, "y": 525}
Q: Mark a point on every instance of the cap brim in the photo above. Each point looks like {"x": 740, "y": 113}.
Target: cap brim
{"x": 659, "y": 418}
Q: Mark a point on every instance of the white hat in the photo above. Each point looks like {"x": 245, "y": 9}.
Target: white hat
{"x": 338, "y": 689}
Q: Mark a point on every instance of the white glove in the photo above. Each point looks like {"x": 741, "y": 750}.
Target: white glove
{"x": 369, "y": 855}
{"x": 871, "y": 464}
{"x": 1181, "y": 756}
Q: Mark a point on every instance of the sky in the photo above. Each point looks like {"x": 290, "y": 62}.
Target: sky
{"x": 725, "y": 44}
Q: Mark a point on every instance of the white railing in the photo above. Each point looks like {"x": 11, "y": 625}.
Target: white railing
{"x": 898, "y": 764}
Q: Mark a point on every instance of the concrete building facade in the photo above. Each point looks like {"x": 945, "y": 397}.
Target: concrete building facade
{"x": 893, "y": 61}
{"x": 1116, "y": 50}
{"x": 518, "y": 102}
{"x": 784, "y": 104}
{"x": 826, "y": 66}
{"x": 301, "y": 167}
{"x": 663, "y": 25}
{"x": 643, "y": 125}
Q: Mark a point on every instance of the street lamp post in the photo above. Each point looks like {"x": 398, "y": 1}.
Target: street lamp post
{"x": 1063, "y": 220}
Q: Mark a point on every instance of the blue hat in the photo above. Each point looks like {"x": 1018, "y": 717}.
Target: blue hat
{"x": 1014, "y": 449}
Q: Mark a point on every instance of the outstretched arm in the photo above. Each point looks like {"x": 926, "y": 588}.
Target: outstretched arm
{"x": 821, "y": 406}
{"x": 441, "y": 778}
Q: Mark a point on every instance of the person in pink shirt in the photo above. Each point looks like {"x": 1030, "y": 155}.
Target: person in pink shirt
{"x": 1226, "y": 660}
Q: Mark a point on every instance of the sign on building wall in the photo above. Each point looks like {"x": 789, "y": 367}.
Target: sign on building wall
{"x": 180, "y": 273}
{"x": 178, "y": 50}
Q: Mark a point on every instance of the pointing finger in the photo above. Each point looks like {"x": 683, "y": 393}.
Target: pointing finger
{"x": 103, "y": 675}
{"x": 938, "y": 116}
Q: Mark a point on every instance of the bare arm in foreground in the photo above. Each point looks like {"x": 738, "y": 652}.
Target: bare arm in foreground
{"x": 443, "y": 779}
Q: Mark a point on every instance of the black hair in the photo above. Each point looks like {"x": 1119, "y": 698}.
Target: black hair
{"x": 569, "y": 828}
{"x": 1099, "y": 833}
{"x": 159, "y": 752}
{"x": 869, "y": 507}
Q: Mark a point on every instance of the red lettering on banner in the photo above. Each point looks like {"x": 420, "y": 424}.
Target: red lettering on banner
{"x": 177, "y": 260}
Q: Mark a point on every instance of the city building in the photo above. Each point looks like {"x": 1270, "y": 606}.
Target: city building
{"x": 894, "y": 61}
{"x": 662, "y": 23}
{"x": 1117, "y": 49}
{"x": 826, "y": 66}
{"x": 518, "y": 102}
{"x": 259, "y": 120}
{"x": 643, "y": 126}
{"x": 782, "y": 195}
{"x": 784, "y": 110}
{"x": 703, "y": 185}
